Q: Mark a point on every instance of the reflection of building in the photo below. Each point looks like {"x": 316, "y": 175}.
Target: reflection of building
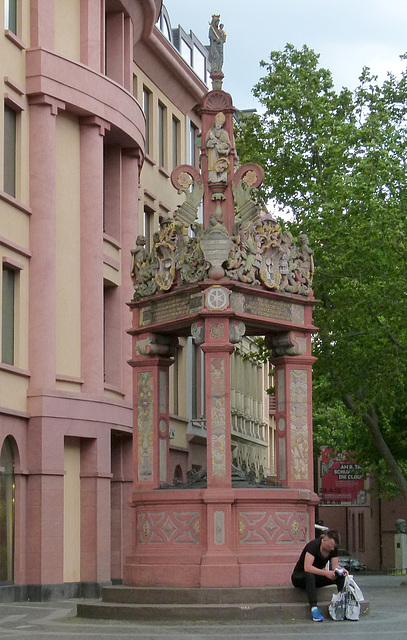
{"x": 92, "y": 92}
{"x": 366, "y": 522}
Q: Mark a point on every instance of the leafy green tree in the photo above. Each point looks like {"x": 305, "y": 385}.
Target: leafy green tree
{"x": 337, "y": 162}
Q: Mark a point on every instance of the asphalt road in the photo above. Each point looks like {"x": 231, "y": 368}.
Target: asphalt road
{"x": 387, "y": 620}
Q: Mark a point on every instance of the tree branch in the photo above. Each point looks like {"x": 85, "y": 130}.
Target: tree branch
{"x": 371, "y": 420}
{"x": 390, "y": 336}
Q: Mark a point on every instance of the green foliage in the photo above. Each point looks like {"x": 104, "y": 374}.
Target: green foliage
{"x": 337, "y": 162}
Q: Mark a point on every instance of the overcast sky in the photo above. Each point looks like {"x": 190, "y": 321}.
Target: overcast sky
{"x": 348, "y": 35}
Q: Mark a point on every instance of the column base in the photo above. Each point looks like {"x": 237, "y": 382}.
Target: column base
{"x": 224, "y": 575}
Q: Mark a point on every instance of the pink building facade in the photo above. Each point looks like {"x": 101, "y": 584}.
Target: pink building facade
{"x": 68, "y": 224}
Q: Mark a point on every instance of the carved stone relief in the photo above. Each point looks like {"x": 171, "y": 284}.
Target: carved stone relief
{"x": 145, "y": 425}
{"x": 299, "y": 424}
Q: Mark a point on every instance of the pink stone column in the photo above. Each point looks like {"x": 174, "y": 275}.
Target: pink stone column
{"x": 218, "y": 349}
{"x": 45, "y": 503}
{"x": 20, "y": 561}
{"x": 95, "y": 509}
{"x": 151, "y": 411}
{"x": 42, "y": 24}
{"x": 91, "y": 33}
{"x": 293, "y": 382}
{"x": 128, "y": 55}
{"x": 219, "y": 565}
{"x": 42, "y": 299}
{"x": 115, "y": 57}
{"x": 91, "y": 198}
{"x": 129, "y": 231}
{"x": 121, "y": 512}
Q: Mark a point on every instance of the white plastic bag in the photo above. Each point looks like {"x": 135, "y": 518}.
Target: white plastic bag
{"x": 352, "y": 608}
{"x": 354, "y": 597}
{"x": 350, "y": 585}
{"x": 346, "y": 603}
{"x": 337, "y": 606}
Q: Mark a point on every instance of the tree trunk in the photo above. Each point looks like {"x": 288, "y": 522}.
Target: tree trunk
{"x": 371, "y": 420}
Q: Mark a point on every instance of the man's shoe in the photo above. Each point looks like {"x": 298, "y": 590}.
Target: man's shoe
{"x": 317, "y": 615}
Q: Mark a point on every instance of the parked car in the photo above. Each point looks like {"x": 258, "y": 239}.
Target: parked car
{"x": 349, "y": 562}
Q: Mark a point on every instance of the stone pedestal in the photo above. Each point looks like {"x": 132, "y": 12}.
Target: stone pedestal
{"x": 400, "y": 551}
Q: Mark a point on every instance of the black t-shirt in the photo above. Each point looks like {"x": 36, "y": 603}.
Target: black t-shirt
{"x": 314, "y": 548}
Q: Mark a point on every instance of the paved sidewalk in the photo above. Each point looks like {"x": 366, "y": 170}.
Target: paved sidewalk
{"x": 57, "y": 620}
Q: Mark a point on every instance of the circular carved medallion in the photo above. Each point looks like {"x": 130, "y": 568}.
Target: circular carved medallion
{"x": 217, "y": 298}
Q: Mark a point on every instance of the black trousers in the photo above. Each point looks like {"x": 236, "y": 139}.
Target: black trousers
{"x": 311, "y": 582}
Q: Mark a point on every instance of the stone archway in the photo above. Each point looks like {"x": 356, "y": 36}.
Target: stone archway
{"x": 7, "y": 510}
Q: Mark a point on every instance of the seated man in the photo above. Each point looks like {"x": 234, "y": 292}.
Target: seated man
{"x": 310, "y": 571}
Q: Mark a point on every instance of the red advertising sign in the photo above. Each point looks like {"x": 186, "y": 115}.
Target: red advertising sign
{"x": 342, "y": 481}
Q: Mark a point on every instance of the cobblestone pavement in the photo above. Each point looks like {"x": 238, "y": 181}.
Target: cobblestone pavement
{"x": 387, "y": 620}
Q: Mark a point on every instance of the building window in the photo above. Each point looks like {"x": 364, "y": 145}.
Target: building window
{"x": 161, "y": 134}
{"x": 353, "y": 521}
{"x": 175, "y": 384}
{"x": 186, "y": 52}
{"x": 111, "y": 334}
{"x": 7, "y": 512}
{"x": 361, "y": 531}
{"x": 10, "y": 145}
{"x": 148, "y": 227}
{"x": 147, "y": 113}
{"x": 192, "y": 150}
{"x": 10, "y": 15}
{"x": 112, "y": 167}
{"x": 175, "y": 142}
{"x": 165, "y": 28}
{"x": 194, "y": 377}
{"x": 7, "y": 315}
{"x": 178, "y": 476}
{"x": 164, "y": 24}
{"x": 200, "y": 64}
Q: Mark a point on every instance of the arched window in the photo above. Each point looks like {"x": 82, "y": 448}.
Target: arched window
{"x": 7, "y": 512}
{"x": 178, "y": 476}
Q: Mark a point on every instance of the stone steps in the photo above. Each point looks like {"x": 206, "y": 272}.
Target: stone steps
{"x": 208, "y": 595}
{"x": 157, "y": 604}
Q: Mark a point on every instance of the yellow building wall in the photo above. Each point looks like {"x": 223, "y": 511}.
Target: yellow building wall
{"x": 72, "y": 507}
{"x": 14, "y": 224}
{"x": 68, "y": 329}
{"x": 180, "y": 433}
{"x": 14, "y": 378}
{"x": 12, "y": 83}
{"x": 13, "y": 391}
{"x": 182, "y": 374}
{"x": 67, "y": 28}
{"x": 153, "y": 181}
{"x": 158, "y": 195}
{"x": 14, "y": 211}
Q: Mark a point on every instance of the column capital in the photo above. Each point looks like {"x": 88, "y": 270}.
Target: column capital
{"x": 43, "y": 99}
{"x": 156, "y": 345}
{"x": 217, "y": 348}
{"x": 134, "y": 153}
{"x": 293, "y": 360}
{"x": 95, "y": 121}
